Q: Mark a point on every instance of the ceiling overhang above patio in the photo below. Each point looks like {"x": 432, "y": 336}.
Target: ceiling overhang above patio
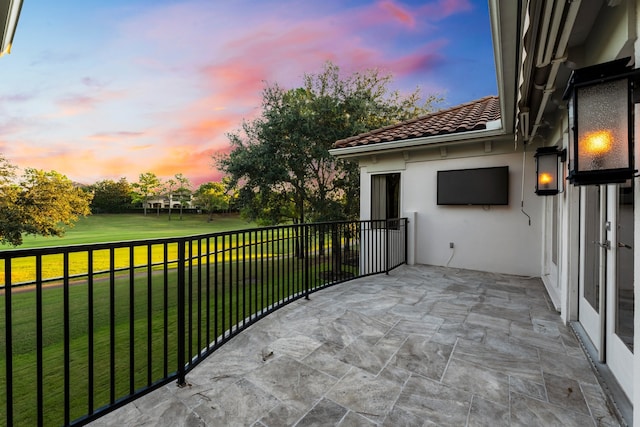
{"x": 554, "y": 35}
{"x": 9, "y": 15}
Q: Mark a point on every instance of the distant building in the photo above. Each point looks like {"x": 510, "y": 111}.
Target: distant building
{"x": 172, "y": 201}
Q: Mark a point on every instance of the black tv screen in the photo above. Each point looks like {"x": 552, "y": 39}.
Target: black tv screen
{"x": 481, "y": 186}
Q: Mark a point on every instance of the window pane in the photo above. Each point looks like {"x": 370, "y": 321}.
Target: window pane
{"x": 591, "y": 248}
{"x": 385, "y": 196}
{"x": 378, "y": 196}
{"x": 393, "y": 195}
{"x": 624, "y": 267}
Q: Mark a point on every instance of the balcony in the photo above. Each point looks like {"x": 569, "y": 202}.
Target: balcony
{"x": 237, "y": 342}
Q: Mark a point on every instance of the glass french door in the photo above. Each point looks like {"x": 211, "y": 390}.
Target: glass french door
{"x": 606, "y": 304}
{"x": 619, "y": 323}
{"x": 593, "y": 256}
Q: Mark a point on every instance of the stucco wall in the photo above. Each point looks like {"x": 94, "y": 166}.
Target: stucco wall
{"x": 487, "y": 238}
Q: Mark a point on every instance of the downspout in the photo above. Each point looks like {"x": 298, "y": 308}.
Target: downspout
{"x": 561, "y": 57}
{"x": 547, "y": 91}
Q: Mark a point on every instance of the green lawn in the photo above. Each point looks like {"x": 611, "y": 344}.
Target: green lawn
{"x": 119, "y": 227}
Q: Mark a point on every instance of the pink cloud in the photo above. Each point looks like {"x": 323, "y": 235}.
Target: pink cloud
{"x": 115, "y": 136}
{"x": 205, "y": 130}
{"x": 398, "y": 13}
{"x": 235, "y": 81}
{"x": 444, "y": 8}
{"x": 16, "y": 97}
{"x": 92, "y": 83}
{"x": 10, "y": 127}
{"x": 428, "y": 58}
{"x": 76, "y": 104}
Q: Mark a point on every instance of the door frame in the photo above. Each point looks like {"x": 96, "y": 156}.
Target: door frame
{"x": 600, "y": 327}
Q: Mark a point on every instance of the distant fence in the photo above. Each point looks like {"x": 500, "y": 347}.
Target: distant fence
{"x": 89, "y": 328}
{"x": 165, "y": 211}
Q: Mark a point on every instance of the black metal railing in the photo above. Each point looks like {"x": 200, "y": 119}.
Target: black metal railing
{"x": 89, "y": 328}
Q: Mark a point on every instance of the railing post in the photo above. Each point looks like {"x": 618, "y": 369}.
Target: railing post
{"x": 306, "y": 260}
{"x": 405, "y": 221}
{"x": 9, "y": 341}
{"x": 181, "y": 314}
{"x": 386, "y": 247}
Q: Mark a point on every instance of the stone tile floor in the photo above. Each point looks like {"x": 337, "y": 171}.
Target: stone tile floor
{"x": 423, "y": 346}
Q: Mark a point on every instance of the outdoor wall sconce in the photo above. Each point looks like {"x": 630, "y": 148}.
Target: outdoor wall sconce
{"x": 547, "y": 161}
{"x": 601, "y": 123}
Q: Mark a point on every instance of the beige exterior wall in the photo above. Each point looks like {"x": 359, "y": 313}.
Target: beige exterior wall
{"x": 488, "y": 238}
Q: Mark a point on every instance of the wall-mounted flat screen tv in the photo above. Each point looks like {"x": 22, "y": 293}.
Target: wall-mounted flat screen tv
{"x": 481, "y": 186}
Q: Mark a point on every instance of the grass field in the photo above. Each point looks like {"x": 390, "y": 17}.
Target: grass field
{"x": 122, "y": 227}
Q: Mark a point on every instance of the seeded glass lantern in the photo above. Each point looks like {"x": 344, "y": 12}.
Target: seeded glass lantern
{"x": 547, "y": 160}
{"x": 601, "y": 123}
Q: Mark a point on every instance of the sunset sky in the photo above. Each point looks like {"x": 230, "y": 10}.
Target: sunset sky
{"x": 100, "y": 89}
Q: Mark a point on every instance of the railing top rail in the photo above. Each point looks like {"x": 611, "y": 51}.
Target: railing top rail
{"x": 51, "y": 250}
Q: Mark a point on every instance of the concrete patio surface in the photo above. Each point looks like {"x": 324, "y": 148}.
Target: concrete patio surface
{"x": 423, "y": 346}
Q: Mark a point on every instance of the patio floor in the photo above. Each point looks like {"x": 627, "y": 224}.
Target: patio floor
{"x": 422, "y": 346}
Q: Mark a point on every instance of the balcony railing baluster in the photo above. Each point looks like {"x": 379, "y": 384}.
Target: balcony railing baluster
{"x": 39, "y": 360}
{"x": 181, "y": 315}
{"x": 112, "y": 326}
{"x": 149, "y": 315}
{"x": 132, "y": 308}
{"x": 67, "y": 338}
{"x": 165, "y": 300}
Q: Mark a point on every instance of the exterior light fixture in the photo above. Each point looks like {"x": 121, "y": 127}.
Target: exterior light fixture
{"x": 547, "y": 161}
{"x": 601, "y": 131}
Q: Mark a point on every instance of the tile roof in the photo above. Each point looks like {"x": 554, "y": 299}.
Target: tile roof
{"x": 462, "y": 118}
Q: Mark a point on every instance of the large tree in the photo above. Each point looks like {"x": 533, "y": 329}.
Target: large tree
{"x": 111, "y": 196}
{"x": 214, "y": 196}
{"x": 169, "y": 187}
{"x": 183, "y": 191}
{"x": 177, "y": 189}
{"x": 281, "y": 160}
{"x": 147, "y": 187}
{"x": 38, "y": 203}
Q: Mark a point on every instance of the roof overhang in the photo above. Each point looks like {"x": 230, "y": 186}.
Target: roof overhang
{"x": 506, "y": 29}
{"x": 9, "y": 15}
{"x": 420, "y": 143}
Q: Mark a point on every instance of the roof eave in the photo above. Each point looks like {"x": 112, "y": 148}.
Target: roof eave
{"x": 11, "y": 14}
{"x": 408, "y": 144}
{"x": 506, "y": 17}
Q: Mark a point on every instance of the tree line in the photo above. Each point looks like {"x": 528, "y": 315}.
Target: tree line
{"x": 45, "y": 202}
{"x": 151, "y": 192}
